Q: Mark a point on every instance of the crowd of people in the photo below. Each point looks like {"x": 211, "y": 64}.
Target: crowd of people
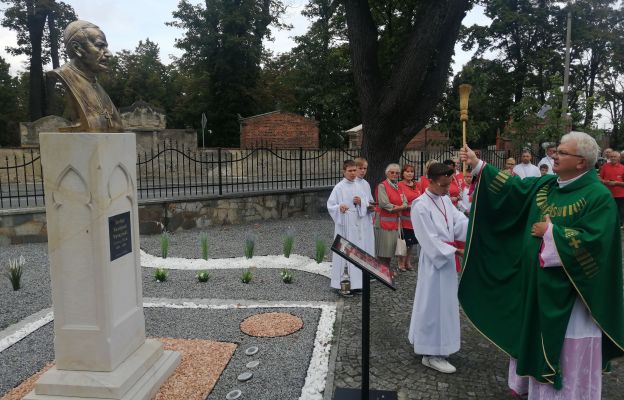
{"x": 542, "y": 270}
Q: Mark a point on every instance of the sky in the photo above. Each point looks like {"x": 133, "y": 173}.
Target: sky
{"x": 126, "y": 22}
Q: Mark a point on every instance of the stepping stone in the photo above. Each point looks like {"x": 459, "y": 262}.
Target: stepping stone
{"x": 253, "y": 364}
{"x": 245, "y": 376}
{"x": 251, "y": 350}
{"x": 233, "y": 395}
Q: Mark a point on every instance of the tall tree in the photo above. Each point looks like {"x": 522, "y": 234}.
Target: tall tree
{"x": 29, "y": 19}
{"x": 9, "y": 106}
{"x": 223, "y": 49}
{"x": 398, "y": 100}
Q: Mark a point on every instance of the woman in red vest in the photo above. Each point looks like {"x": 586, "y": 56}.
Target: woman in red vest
{"x": 390, "y": 203}
{"x": 410, "y": 189}
{"x": 457, "y": 186}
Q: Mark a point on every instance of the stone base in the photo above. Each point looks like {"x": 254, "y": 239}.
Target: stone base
{"x": 137, "y": 378}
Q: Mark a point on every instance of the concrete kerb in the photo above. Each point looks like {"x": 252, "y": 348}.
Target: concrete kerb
{"x": 328, "y": 394}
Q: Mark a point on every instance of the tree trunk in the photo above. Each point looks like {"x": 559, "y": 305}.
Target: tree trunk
{"x": 394, "y": 110}
{"x": 36, "y": 21}
{"x": 52, "y": 99}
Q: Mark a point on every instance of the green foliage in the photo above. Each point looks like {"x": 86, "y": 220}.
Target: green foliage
{"x": 10, "y": 110}
{"x": 246, "y": 276}
{"x": 14, "y": 272}
{"x": 321, "y": 248}
{"x": 164, "y": 244}
{"x": 223, "y": 49}
{"x": 203, "y": 276}
{"x": 160, "y": 274}
{"x": 289, "y": 241}
{"x": 250, "y": 244}
{"x": 287, "y": 275}
{"x": 203, "y": 241}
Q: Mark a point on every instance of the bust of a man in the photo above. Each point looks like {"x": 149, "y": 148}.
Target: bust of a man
{"x": 88, "y": 52}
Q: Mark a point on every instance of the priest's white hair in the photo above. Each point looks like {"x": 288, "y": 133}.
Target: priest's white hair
{"x": 586, "y": 146}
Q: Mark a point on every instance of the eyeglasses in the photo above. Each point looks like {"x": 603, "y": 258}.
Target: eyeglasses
{"x": 565, "y": 153}
{"x": 394, "y": 172}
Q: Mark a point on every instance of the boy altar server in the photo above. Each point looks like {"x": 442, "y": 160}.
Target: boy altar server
{"x": 347, "y": 208}
{"x": 434, "y": 329}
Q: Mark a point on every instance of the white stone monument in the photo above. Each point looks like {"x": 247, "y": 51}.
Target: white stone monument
{"x": 93, "y": 248}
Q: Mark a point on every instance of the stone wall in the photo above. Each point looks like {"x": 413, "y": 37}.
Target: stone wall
{"x": 28, "y": 226}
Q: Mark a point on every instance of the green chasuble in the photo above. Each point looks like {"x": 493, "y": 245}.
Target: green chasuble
{"x": 521, "y": 307}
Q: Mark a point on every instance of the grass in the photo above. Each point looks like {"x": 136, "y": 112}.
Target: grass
{"x": 14, "y": 272}
{"x": 287, "y": 275}
{"x": 321, "y": 249}
{"x": 161, "y": 274}
{"x": 203, "y": 276}
{"x": 203, "y": 241}
{"x": 246, "y": 276}
{"x": 164, "y": 244}
{"x": 289, "y": 241}
{"x": 250, "y": 244}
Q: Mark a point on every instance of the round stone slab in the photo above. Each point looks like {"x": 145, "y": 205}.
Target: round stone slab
{"x": 251, "y": 350}
{"x": 245, "y": 376}
{"x": 253, "y": 364}
{"x": 233, "y": 395}
{"x": 272, "y": 324}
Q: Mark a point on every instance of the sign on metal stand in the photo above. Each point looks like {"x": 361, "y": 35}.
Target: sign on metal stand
{"x": 204, "y": 120}
{"x": 371, "y": 268}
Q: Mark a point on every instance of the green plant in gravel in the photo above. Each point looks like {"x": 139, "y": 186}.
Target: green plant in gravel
{"x": 203, "y": 241}
{"x": 250, "y": 244}
{"x": 321, "y": 248}
{"x": 246, "y": 276}
{"x": 289, "y": 240}
{"x": 160, "y": 274}
{"x": 203, "y": 276}
{"x": 164, "y": 244}
{"x": 287, "y": 275}
{"x": 14, "y": 272}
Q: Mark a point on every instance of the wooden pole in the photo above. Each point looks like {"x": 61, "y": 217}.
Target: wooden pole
{"x": 464, "y": 94}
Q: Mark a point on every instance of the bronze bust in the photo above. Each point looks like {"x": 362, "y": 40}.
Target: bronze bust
{"x": 88, "y": 52}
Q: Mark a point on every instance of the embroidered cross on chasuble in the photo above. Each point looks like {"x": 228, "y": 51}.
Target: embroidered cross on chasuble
{"x": 522, "y": 308}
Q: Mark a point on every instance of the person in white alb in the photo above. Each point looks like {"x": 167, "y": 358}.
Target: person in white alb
{"x": 434, "y": 327}
{"x": 525, "y": 169}
{"x": 548, "y": 160}
{"x": 346, "y": 209}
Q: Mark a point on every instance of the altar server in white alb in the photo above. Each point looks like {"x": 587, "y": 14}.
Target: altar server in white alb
{"x": 345, "y": 206}
{"x": 434, "y": 329}
{"x": 368, "y": 201}
{"x": 525, "y": 169}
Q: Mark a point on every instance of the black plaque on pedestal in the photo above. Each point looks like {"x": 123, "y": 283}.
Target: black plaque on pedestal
{"x": 371, "y": 267}
{"x": 119, "y": 235}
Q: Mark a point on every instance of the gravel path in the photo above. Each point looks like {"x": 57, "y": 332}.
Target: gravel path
{"x": 224, "y": 241}
{"x": 283, "y": 361}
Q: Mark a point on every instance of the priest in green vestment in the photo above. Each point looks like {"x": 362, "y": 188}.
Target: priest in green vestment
{"x": 542, "y": 273}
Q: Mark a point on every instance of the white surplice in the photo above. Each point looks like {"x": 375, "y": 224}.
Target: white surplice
{"x": 349, "y": 225}
{"x": 368, "y": 244}
{"x": 434, "y": 328}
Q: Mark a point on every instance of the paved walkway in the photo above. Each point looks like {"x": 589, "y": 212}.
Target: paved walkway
{"x": 481, "y": 367}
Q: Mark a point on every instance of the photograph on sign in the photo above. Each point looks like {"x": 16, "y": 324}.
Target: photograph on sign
{"x": 364, "y": 261}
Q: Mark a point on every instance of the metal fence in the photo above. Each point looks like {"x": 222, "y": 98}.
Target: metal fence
{"x": 170, "y": 171}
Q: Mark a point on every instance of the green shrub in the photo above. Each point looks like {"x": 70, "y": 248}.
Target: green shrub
{"x": 246, "y": 276}
{"x": 289, "y": 240}
{"x": 203, "y": 276}
{"x": 160, "y": 274}
{"x": 203, "y": 240}
{"x": 164, "y": 244}
{"x": 14, "y": 272}
{"x": 321, "y": 248}
{"x": 287, "y": 275}
{"x": 250, "y": 244}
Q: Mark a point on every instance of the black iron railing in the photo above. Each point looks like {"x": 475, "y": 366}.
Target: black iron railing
{"x": 171, "y": 171}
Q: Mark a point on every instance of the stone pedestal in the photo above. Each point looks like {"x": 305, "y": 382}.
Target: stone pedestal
{"x": 93, "y": 248}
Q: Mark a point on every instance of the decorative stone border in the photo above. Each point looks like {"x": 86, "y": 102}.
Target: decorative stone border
{"x": 314, "y": 385}
{"x": 296, "y": 262}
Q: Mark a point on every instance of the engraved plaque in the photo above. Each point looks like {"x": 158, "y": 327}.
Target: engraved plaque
{"x": 119, "y": 235}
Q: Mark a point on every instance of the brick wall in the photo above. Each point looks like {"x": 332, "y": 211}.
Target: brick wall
{"x": 279, "y": 129}
{"x": 433, "y": 137}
